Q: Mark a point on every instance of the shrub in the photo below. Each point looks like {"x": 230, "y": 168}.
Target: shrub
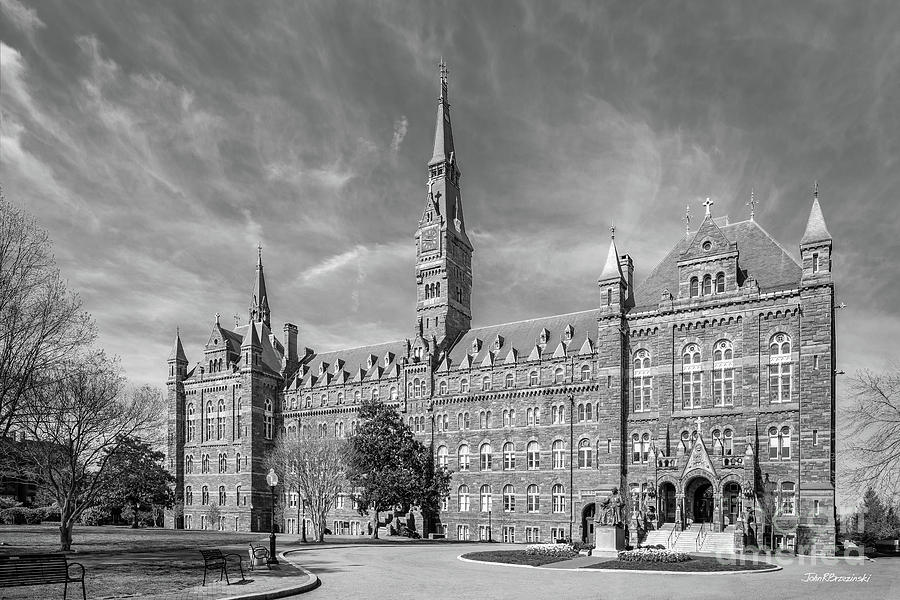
{"x": 8, "y": 502}
{"x": 13, "y": 516}
{"x": 648, "y": 555}
{"x": 51, "y": 513}
{"x": 33, "y": 516}
{"x": 95, "y": 516}
{"x": 559, "y": 550}
{"x": 578, "y": 546}
{"x": 653, "y": 547}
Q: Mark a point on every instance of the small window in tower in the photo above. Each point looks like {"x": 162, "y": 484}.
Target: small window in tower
{"x": 815, "y": 262}
{"x": 816, "y": 362}
{"x": 815, "y": 440}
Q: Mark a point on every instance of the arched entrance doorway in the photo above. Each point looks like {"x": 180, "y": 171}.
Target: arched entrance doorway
{"x": 587, "y": 522}
{"x": 667, "y": 496}
{"x": 731, "y": 502}
{"x": 698, "y": 500}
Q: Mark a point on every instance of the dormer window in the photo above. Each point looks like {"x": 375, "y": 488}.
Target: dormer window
{"x": 545, "y": 336}
{"x": 322, "y": 368}
{"x": 370, "y": 362}
{"x": 476, "y": 345}
{"x": 567, "y": 334}
{"x": 498, "y": 342}
{"x": 388, "y": 358}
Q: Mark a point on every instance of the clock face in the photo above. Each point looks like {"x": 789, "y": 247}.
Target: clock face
{"x": 430, "y": 239}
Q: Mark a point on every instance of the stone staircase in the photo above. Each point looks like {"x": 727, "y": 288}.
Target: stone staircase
{"x": 687, "y": 539}
{"x": 659, "y": 536}
{"x": 719, "y": 543}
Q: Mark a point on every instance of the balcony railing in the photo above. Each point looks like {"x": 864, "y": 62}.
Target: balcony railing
{"x": 667, "y": 462}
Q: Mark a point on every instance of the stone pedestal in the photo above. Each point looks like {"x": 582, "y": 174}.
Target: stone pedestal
{"x": 608, "y": 540}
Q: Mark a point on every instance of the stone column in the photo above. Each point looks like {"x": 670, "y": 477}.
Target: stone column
{"x": 679, "y": 511}
{"x": 717, "y": 512}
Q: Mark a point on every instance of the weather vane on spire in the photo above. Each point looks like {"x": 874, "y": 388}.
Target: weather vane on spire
{"x": 259, "y": 252}
{"x": 687, "y": 220}
{"x": 816, "y": 189}
{"x": 752, "y": 204}
{"x": 612, "y": 231}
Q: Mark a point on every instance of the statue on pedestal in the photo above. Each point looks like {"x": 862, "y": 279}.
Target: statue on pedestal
{"x": 611, "y": 510}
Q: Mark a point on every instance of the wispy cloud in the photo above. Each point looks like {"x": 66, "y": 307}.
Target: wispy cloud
{"x": 400, "y": 127}
{"x": 22, "y": 17}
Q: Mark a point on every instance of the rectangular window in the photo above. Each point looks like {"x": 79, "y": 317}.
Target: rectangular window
{"x": 816, "y": 362}
{"x": 609, "y": 381}
{"x": 608, "y": 445}
{"x": 484, "y": 533}
{"x": 773, "y": 447}
{"x": 815, "y": 262}
{"x": 509, "y": 535}
{"x": 816, "y": 507}
{"x": 815, "y": 437}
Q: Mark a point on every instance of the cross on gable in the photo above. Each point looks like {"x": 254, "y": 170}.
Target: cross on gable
{"x": 707, "y": 204}
{"x": 699, "y": 422}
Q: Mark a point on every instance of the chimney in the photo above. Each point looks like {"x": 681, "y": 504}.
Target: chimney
{"x": 290, "y": 342}
{"x": 627, "y": 266}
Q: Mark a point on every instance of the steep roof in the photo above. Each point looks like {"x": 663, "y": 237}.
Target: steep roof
{"x": 271, "y": 357}
{"x": 612, "y": 268}
{"x": 761, "y": 257}
{"x": 351, "y": 360}
{"x": 177, "y": 353}
{"x": 816, "y": 231}
{"x": 523, "y": 336}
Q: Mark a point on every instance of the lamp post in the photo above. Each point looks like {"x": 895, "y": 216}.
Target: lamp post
{"x": 303, "y": 520}
{"x": 490, "y": 527}
{"x": 272, "y": 480}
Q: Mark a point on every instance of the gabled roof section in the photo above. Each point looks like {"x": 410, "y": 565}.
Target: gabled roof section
{"x": 526, "y": 334}
{"x": 761, "y": 257}
{"x": 352, "y": 362}
{"x": 816, "y": 231}
{"x": 258, "y": 334}
{"x": 511, "y": 357}
{"x": 708, "y": 232}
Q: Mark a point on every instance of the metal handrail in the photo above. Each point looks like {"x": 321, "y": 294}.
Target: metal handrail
{"x": 701, "y": 537}
{"x": 670, "y": 543}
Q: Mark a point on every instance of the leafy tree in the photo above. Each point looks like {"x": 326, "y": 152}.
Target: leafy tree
{"x": 874, "y": 521}
{"x": 312, "y": 466}
{"x": 138, "y": 479}
{"x": 387, "y": 467}
{"x": 212, "y": 515}
{"x": 874, "y": 419}
{"x": 41, "y": 322}
{"x": 78, "y": 420}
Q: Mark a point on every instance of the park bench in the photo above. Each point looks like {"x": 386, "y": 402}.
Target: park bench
{"x": 258, "y": 554}
{"x": 40, "y": 569}
{"x": 214, "y": 559}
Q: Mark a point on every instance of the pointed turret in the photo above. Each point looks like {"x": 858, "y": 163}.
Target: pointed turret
{"x": 177, "y": 360}
{"x": 177, "y": 353}
{"x": 816, "y": 231}
{"x": 443, "y": 132}
{"x": 612, "y": 269}
{"x": 259, "y": 301}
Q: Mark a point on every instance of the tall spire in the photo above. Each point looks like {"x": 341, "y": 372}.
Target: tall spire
{"x": 816, "y": 231}
{"x": 612, "y": 268}
{"x": 178, "y": 350}
{"x": 443, "y": 132}
{"x": 259, "y": 301}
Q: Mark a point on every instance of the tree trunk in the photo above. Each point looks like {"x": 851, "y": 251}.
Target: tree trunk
{"x": 65, "y": 534}
{"x": 374, "y": 524}
{"x": 135, "y": 518}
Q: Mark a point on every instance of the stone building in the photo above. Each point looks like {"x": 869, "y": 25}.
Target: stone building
{"x": 705, "y": 392}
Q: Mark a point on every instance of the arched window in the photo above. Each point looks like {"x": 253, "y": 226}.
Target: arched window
{"x": 533, "y": 456}
{"x": 223, "y": 463}
{"x": 558, "y": 415}
{"x": 558, "y": 493}
{"x": 580, "y": 413}
{"x": 188, "y": 495}
{"x": 587, "y": 412}
{"x": 220, "y": 429}
{"x": 204, "y": 464}
{"x": 486, "y": 498}
{"x": 442, "y": 386}
{"x": 723, "y": 373}
{"x": 375, "y": 393}
{"x": 717, "y": 442}
{"x": 485, "y": 457}
{"x": 510, "y": 380}
{"x": 537, "y": 415}
{"x": 529, "y": 416}
{"x": 237, "y": 418}
{"x": 559, "y": 375}
{"x": 190, "y": 422}
{"x": 210, "y": 420}
{"x": 585, "y": 372}
{"x": 486, "y": 383}
{"x": 642, "y": 382}
{"x": 533, "y": 378}
{"x": 463, "y": 457}
{"x": 237, "y": 462}
{"x": 788, "y": 506}
{"x": 204, "y": 495}
{"x": 237, "y": 496}
{"x": 780, "y": 368}
{"x": 442, "y": 456}
{"x": 308, "y": 401}
{"x": 691, "y": 376}
{"x": 340, "y": 398}
{"x": 784, "y": 438}
{"x": 463, "y": 386}
{"x": 509, "y": 456}
{"x": 559, "y": 455}
{"x": 393, "y": 393}
{"x": 635, "y": 448}
{"x": 694, "y": 287}
{"x": 417, "y": 388}
{"x": 189, "y": 464}
{"x": 585, "y": 454}
{"x": 221, "y": 495}
{"x": 509, "y": 498}
{"x": 268, "y": 419}
{"x": 728, "y": 443}
{"x": 707, "y": 285}
{"x": 685, "y": 442}
{"x": 533, "y": 498}
{"x": 482, "y": 420}
{"x": 645, "y": 447}
{"x": 720, "y": 282}
{"x": 437, "y": 290}
{"x": 463, "y": 498}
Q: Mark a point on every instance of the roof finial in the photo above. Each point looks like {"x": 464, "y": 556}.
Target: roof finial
{"x": 707, "y": 204}
{"x": 687, "y": 220}
{"x": 752, "y": 204}
{"x": 217, "y": 318}
{"x": 177, "y": 331}
{"x": 259, "y": 253}
{"x": 612, "y": 231}
{"x": 816, "y": 189}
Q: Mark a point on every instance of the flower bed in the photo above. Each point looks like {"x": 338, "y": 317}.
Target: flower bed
{"x": 653, "y": 555}
{"x": 556, "y": 550}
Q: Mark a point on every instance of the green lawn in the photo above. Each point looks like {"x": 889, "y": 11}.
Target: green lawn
{"x": 697, "y": 564}
{"x": 122, "y": 562}
{"x": 514, "y": 557}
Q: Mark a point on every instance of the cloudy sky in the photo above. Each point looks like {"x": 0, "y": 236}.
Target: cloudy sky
{"x": 159, "y": 141}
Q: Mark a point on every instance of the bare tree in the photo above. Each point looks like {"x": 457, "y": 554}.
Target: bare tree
{"x": 76, "y": 422}
{"x": 41, "y": 321}
{"x": 314, "y": 467}
{"x": 874, "y": 431}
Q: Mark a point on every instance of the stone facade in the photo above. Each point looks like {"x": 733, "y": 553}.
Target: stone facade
{"x": 700, "y": 392}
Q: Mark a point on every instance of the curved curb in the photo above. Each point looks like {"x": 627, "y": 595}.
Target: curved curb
{"x": 312, "y": 584}
{"x": 772, "y": 569}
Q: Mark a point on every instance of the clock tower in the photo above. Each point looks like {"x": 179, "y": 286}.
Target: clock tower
{"x": 443, "y": 249}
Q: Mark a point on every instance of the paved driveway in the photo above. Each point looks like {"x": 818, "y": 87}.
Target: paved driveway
{"x": 433, "y": 572}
